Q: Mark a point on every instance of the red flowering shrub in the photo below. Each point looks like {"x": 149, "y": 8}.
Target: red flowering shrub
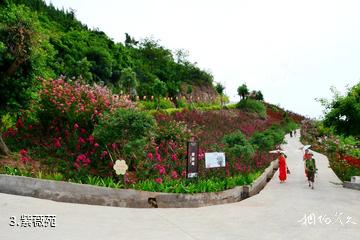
{"x": 74, "y": 104}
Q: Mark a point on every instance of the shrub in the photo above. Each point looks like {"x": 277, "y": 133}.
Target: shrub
{"x": 67, "y": 103}
{"x": 238, "y": 150}
{"x": 126, "y": 132}
{"x": 152, "y": 105}
{"x": 263, "y": 141}
{"x": 252, "y": 105}
{"x": 123, "y": 125}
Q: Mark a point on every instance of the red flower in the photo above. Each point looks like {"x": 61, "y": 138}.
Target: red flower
{"x": 174, "y": 175}
{"x": 19, "y": 123}
{"x": 57, "y": 142}
{"x": 174, "y": 157}
{"x": 91, "y": 139}
{"x": 158, "y": 180}
{"x": 81, "y": 140}
{"x": 150, "y": 156}
{"x": 24, "y": 159}
{"x": 23, "y": 152}
{"x": 103, "y": 154}
{"x": 76, "y": 126}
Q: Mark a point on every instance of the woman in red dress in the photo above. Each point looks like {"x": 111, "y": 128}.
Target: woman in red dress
{"x": 282, "y": 167}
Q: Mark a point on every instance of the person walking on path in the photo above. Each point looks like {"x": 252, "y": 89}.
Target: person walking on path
{"x": 282, "y": 167}
{"x": 310, "y": 168}
{"x": 307, "y": 156}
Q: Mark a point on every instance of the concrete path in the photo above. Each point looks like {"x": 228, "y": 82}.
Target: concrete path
{"x": 278, "y": 212}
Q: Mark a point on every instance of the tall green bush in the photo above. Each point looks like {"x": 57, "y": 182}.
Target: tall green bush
{"x": 254, "y": 106}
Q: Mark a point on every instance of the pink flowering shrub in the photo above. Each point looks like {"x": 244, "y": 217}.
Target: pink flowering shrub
{"x": 67, "y": 113}
{"x": 65, "y": 103}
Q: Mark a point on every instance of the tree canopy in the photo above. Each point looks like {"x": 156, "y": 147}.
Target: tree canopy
{"x": 344, "y": 112}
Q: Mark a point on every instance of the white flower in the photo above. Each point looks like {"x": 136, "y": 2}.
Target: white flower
{"x": 120, "y": 167}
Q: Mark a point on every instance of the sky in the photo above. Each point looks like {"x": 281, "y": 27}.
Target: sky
{"x": 293, "y": 51}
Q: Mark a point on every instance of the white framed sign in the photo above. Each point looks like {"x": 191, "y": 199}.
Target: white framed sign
{"x": 214, "y": 159}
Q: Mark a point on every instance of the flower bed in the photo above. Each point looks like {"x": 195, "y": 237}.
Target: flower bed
{"x": 76, "y": 132}
{"x": 343, "y": 152}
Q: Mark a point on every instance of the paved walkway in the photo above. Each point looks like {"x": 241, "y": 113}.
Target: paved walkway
{"x": 273, "y": 214}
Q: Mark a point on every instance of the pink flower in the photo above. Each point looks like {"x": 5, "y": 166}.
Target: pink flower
{"x": 114, "y": 146}
{"x": 183, "y": 173}
{"x": 150, "y": 156}
{"x": 158, "y": 157}
{"x": 57, "y": 143}
{"x": 24, "y": 159}
{"x": 96, "y": 145}
{"x": 81, "y": 140}
{"x": 19, "y": 123}
{"x": 161, "y": 170}
{"x": 23, "y": 152}
{"x": 91, "y": 139}
{"x": 76, "y": 126}
{"x": 103, "y": 154}
{"x": 174, "y": 174}
{"x": 76, "y": 165}
{"x": 174, "y": 157}
{"x": 30, "y": 127}
{"x": 158, "y": 180}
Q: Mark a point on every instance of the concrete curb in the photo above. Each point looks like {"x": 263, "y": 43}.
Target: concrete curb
{"x": 94, "y": 195}
{"x": 351, "y": 185}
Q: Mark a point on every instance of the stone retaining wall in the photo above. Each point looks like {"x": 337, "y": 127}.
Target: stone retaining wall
{"x": 94, "y": 195}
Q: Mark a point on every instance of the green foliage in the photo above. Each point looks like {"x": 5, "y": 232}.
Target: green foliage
{"x": 196, "y": 186}
{"x": 257, "y": 95}
{"x": 252, "y": 105}
{"x": 243, "y": 91}
{"x": 128, "y": 80}
{"x": 23, "y": 56}
{"x": 268, "y": 139}
{"x": 219, "y": 88}
{"x": 344, "y": 113}
{"x": 163, "y": 103}
{"x": 124, "y": 125}
{"x": 6, "y": 121}
{"x": 172, "y": 131}
{"x": 237, "y": 146}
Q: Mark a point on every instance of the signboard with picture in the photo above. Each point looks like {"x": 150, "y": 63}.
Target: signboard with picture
{"x": 215, "y": 159}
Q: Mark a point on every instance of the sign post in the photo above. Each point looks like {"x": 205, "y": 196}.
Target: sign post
{"x": 215, "y": 159}
{"x": 192, "y": 160}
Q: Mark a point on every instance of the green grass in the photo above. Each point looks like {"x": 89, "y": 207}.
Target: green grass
{"x": 197, "y": 185}
{"x": 169, "y": 185}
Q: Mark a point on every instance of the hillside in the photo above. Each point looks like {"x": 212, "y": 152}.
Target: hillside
{"x": 41, "y": 41}
{"x": 132, "y": 101}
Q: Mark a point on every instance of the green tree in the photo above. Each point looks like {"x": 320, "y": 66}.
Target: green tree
{"x": 22, "y": 56}
{"x": 344, "y": 112}
{"x": 159, "y": 90}
{"x": 243, "y": 91}
{"x": 128, "y": 80}
{"x": 259, "y": 96}
{"x": 220, "y": 90}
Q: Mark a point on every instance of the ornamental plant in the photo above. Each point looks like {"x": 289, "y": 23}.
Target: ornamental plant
{"x": 66, "y": 103}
